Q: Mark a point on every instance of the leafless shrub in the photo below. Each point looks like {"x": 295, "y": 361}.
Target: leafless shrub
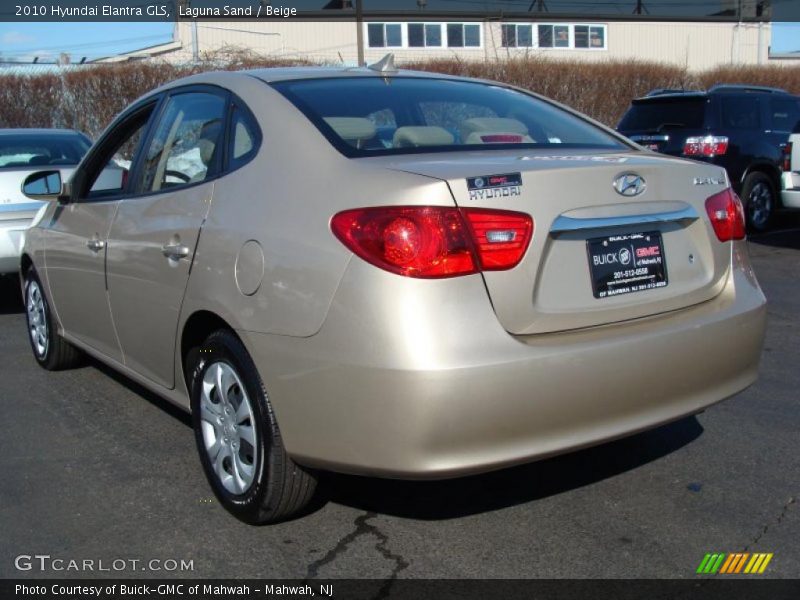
{"x": 89, "y": 98}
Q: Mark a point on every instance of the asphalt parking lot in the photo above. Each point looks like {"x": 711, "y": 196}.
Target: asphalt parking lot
{"x": 94, "y": 467}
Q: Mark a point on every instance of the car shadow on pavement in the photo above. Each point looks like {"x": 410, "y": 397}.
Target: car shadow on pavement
{"x": 454, "y": 498}
{"x": 10, "y": 295}
{"x": 154, "y": 399}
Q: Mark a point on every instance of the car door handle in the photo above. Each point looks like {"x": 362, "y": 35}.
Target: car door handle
{"x": 95, "y": 245}
{"x": 175, "y": 251}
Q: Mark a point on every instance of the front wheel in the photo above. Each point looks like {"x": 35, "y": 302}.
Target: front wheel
{"x": 50, "y": 350}
{"x": 238, "y": 438}
{"x": 758, "y": 195}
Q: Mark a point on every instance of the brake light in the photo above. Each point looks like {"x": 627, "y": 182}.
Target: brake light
{"x": 501, "y": 138}
{"x": 727, "y": 215}
{"x": 434, "y": 241}
{"x": 708, "y": 146}
{"x": 787, "y": 157}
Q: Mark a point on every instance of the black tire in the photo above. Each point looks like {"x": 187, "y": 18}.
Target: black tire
{"x": 280, "y": 489}
{"x": 55, "y": 353}
{"x": 760, "y": 201}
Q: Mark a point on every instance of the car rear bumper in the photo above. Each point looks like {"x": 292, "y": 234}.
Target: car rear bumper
{"x": 11, "y": 238}
{"x": 790, "y": 190}
{"x": 391, "y": 387}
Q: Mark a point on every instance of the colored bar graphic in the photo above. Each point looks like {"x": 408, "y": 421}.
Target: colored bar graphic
{"x": 728, "y": 564}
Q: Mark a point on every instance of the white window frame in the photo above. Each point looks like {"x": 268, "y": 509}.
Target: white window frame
{"x": 446, "y": 37}
{"x": 570, "y": 36}
{"x": 425, "y": 25}
{"x": 385, "y": 39}
{"x": 445, "y": 45}
{"x": 591, "y": 26}
{"x": 516, "y": 27}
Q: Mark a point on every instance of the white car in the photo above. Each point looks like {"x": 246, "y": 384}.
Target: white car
{"x": 790, "y": 180}
{"x": 22, "y": 152}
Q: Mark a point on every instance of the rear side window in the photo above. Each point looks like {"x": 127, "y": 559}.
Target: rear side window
{"x": 741, "y": 112}
{"x": 366, "y": 116}
{"x": 785, "y": 114}
{"x": 665, "y": 113}
{"x": 243, "y": 138}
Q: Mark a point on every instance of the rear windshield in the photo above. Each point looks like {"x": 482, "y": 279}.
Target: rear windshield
{"x": 368, "y": 116}
{"x": 664, "y": 114}
{"x": 34, "y": 150}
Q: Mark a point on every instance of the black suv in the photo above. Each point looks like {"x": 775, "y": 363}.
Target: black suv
{"x": 744, "y": 129}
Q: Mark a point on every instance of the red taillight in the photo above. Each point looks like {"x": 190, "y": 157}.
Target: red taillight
{"x": 708, "y": 146}
{"x": 727, "y": 215}
{"x": 434, "y": 241}
{"x": 500, "y": 237}
{"x": 787, "y": 157}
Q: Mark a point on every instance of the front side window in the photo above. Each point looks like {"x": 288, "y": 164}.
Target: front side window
{"x": 186, "y": 145}
{"x": 106, "y": 174}
{"x": 365, "y": 116}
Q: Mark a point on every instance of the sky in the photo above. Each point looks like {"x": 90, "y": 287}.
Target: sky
{"x": 23, "y": 41}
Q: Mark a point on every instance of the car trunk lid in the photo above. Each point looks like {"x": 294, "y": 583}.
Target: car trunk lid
{"x": 575, "y": 208}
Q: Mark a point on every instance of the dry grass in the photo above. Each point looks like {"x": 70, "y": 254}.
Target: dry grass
{"x": 88, "y": 99}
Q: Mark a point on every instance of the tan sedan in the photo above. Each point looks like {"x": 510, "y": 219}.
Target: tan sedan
{"x": 391, "y": 273}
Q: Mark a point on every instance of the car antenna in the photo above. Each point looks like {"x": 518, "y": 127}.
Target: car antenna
{"x": 384, "y": 65}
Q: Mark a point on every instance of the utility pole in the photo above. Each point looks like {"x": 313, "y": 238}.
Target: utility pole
{"x": 360, "y": 31}
{"x": 541, "y": 6}
{"x": 640, "y": 8}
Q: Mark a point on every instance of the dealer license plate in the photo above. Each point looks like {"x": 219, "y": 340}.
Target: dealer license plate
{"x": 626, "y": 263}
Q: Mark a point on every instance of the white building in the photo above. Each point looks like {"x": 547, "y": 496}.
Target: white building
{"x": 699, "y": 44}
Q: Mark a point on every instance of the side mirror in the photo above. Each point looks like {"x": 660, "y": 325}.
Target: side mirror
{"x": 45, "y": 185}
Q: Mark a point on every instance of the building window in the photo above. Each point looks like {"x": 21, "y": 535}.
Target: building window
{"x": 424, "y": 35}
{"x": 550, "y": 35}
{"x": 517, "y": 36}
{"x": 553, "y": 36}
{"x": 385, "y": 35}
{"x": 590, "y": 36}
{"x": 463, "y": 35}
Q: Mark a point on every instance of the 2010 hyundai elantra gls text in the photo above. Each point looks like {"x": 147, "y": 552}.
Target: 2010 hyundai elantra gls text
{"x": 391, "y": 273}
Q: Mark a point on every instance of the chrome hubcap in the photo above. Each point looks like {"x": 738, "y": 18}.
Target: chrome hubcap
{"x": 37, "y": 321}
{"x": 228, "y": 427}
{"x": 759, "y": 204}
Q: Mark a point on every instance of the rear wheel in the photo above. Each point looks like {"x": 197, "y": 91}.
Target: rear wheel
{"x": 759, "y": 199}
{"x": 238, "y": 438}
{"x": 50, "y": 350}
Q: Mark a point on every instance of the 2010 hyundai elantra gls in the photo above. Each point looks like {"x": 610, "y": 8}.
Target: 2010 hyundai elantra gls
{"x": 392, "y": 273}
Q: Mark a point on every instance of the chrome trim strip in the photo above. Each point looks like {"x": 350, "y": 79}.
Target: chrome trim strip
{"x": 562, "y": 223}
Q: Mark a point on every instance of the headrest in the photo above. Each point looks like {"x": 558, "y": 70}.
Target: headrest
{"x": 352, "y": 129}
{"x": 422, "y": 136}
